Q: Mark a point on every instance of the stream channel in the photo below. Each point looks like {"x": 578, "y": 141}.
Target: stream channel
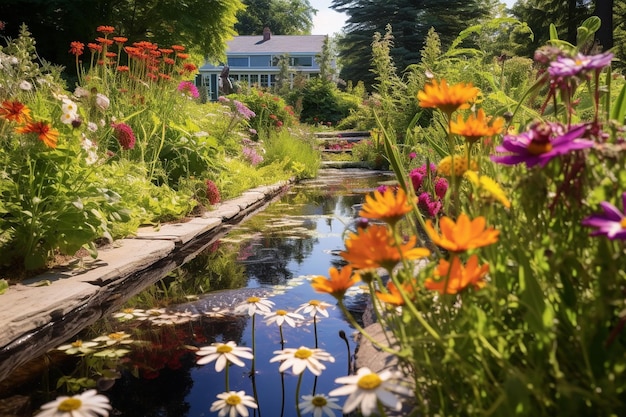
{"x": 148, "y": 367}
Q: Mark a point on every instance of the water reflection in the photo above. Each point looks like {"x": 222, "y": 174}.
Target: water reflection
{"x": 274, "y": 254}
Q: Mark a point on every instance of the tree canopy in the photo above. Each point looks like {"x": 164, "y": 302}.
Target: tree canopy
{"x": 283, "y": 17}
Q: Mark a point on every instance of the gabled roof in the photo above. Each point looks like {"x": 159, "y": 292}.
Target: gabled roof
{"x": 279, "y": 44}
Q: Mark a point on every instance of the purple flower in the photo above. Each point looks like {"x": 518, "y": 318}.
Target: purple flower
{"x": 223, "y": 99}
{"x": 124, "y": 135}
{"x": 578, "y": 65}
{"x": 441, "y": 187}
{"x": 412, "y": 155}
{"x": 243, "y": 110}
{"x": 382, "y": 188}
{"x": 424, "y": 169}
{"x": 252, "y": 156}
{"x": 189, "y": 88}
{"x": 417, "y": 178}
{"x": 611, "y": 222}
{"x": 540, "y": 144}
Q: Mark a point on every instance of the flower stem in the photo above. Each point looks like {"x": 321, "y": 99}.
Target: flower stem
{"x": 298, "y": 393}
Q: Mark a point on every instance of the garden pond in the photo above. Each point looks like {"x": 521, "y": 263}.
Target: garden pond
{"x": 145, "y": 359}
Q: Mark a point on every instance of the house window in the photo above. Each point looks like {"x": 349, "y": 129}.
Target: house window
{"x": 254, "y": 79}
{"x": 243, "y": 79}
{"x": 260, "y": 61}
{"x": 301, "y": 61}
{"x": 238, "y": 62}
{"x": 265, "y": 80}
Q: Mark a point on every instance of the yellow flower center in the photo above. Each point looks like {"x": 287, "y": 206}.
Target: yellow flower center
{"x": 233, "y": 400}
{"x": 281, "y": 312}
{"x": 252, "y": 300}
{"x": 224, "y": 349}
{"x": 128, "y": 310}
{"x": 303, "y": 353}
{"x": 538, "y": 148}
{"x": 369, "y": 381}
{"x": 116, "y": 335}
{"x": 314, "y": 303}
{"x": 319, "y": 401}
{"x": 623, "y": 223}
{"x": 77, "y": 343}
{"x": 69, "y": 405}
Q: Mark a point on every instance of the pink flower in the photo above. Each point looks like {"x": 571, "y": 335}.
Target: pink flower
{"x": 124, "y": 135}
{"x": 189, "y": 89}
{"x": 212, "y": 193}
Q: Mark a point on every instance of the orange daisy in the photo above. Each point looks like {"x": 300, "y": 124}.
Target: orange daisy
{"x": 389, "y": 206}
{"x": 15, "y": 111}
{"x": 374, "y": 247}
{"x": 48, "y": 135}
{"x": 105, "y": 29}
{"x": 463, "y": 235}
{"x": 475, "y": 127}
{"x": 451, "y": 278}
{"x": 338, "y": 283}
{"x": 447, "y": 98}
{"x": 76, "y": 48}
{"x": 394, "y": 295}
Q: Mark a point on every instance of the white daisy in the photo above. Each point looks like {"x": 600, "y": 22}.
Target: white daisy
{"x": 130, "y": 313}
{"x": 115, "y": 338}
{"x": 283, "y": 316}
{"x": 233, "y": 404}
{"x": 301, "y": 358}
{"x": 314, "y": 307}
{"x": 222, "y": 353}
{"x": 254, "y": 304}
{"x": 318, "y": 404}
{"x": 366, "y": 388}
{"x": 87, "y": 404}
{"x": 78, "y": 347}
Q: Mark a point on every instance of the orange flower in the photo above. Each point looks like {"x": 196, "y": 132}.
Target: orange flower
{"x": 178, "y": 48}
{"x": 15, "y": 111}
{"x": 76, "y": 48}
{"x": 452, "y": 278}
{"x": 394, "y": 295}
{"x": 462, "y": 235}
{"x": 46, "y": 134}
{"x": 338, "y": 283}
{"x": 476, "y": 126}
{"x": 182, "y": 56}
{"x": 388, "y": 207}
{"x": 120, "y": 39}
{"x": 446, "y": 98}
{"x": 105, "y": 29}
{"x": 374, "y": 247}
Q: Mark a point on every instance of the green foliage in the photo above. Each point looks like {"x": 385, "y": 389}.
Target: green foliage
{"x": 271, "y": 111}
{"x": 281, "y": 16}
{"x": 322, "y": 102}
{"x": 296, "y": 151}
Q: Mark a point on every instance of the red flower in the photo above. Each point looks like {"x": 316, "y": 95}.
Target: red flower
{"x": 45, "y": 133}
{"x": 76, "y": 48}
{"x": 124, "y": 135}
{"x": 15, "y": 111}
{"x": 123, "y": 68}
{"x": 190, "y": 67}
{"x": 94, "y": 47}
{"x": 182, "y": 56}
{"x": 169, "y": 61}
{"x": 105, "y": 29}
{"x": 105, "y": 41}
{"x": 120, "y": 39}
{"x": 166, "y": 51}
{"x": 178, "y": 48}
{"x": 212, "y": 193}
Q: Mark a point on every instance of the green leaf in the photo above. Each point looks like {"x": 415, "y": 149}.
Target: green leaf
{"x": 619, "y": 106}
{"x": 554, "y": 36}
{"x": 4, "y": 285}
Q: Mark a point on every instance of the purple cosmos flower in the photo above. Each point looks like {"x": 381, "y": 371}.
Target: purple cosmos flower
{"x": 578, "y": 65}
{"x": 540, "y": 144}
{"x": 412, "y": 155}
{"x": 243, "y": 110}
{"x": 611, "y": 222}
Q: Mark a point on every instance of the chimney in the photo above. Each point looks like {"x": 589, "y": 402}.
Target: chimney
{"x": 267, "y": 33}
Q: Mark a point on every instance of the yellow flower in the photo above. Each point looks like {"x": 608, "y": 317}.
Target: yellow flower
{"x": 463, "y": 235}
{"x": 388, "y": 207}
{"x": 374, "y": 248}
{"x": 338, "y": 283}
{"x": 450, "y": 278}
{"x": 447, "y": 98}
{"x": 488, "y": 188}
{"x": 475, "y": 127}
{"x": 460, "y": 166}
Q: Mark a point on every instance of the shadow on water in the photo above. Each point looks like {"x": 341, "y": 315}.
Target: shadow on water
{"x": 273, "y": 254}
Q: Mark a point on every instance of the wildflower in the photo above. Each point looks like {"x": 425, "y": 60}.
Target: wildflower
{"x": 124, "y": 135}
{"x": 453, "y": 277}
{"x": 338, "y": 283}
{"x": 105, "y": 29}
{"x": 475, "y": 127}
{"x": 374, "y": 247}
{"x": 120, "y": 39}
{"x": 189, "y": 89}
{"x": 130, "y": 313}
{"x": 302, "y": 358}
{"x": 579, "y": 65}
{"x": 412, "y": 155}
{"x": 283, "y": 316}
{"x": 25, "y": 85}
{"x": 78, "y": 347}
{"x": 48, "y": 135}
{"x": 367, "y": 388}
{"x": 463, "y": 235}
{"x": 447, "y": 98}
{"x": 178, "y": 48}
{"x": 243, "y": 110}
{"x": 15, "y": 111}
{"x": 222, "y": 354}
{"x": 94, "y": 47}
{"x": 441, "y": 187}
{"x": 417, "y": 178}
{"x": 393, "y": 294}
{"x": 488, "y": 188}
{"x": 389, "y": 206}
{"x": 461, "y": 165}
{"x": 313, "y": 308}
{"x": 102, "y": 101}
{"x": 115, "y": 338}
{"x": 611, "y": 222}
{"x": 233, "y": 404}
{"x": 318, "y": 404}
{"x": 212, "y": 192}
{"x": 254, "y": 304}
{"x": 428, "y": 205}
{"x": 76, "y": 48}
{"x": 87, "y": 404}
{"x": 540, "y": 144}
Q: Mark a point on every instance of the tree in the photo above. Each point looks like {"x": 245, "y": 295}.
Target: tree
{"x": 203, "y": 27}
{"x": 410, "y": 21}
{"x": 283, "y": 17}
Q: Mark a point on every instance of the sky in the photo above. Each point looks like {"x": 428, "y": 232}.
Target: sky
{"x": 328, "y": 21}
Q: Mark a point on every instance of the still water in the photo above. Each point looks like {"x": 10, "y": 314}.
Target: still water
{"x": 149, "y": 369}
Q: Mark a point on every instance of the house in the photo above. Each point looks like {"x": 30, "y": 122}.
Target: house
{"x": 254, "y": 61}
